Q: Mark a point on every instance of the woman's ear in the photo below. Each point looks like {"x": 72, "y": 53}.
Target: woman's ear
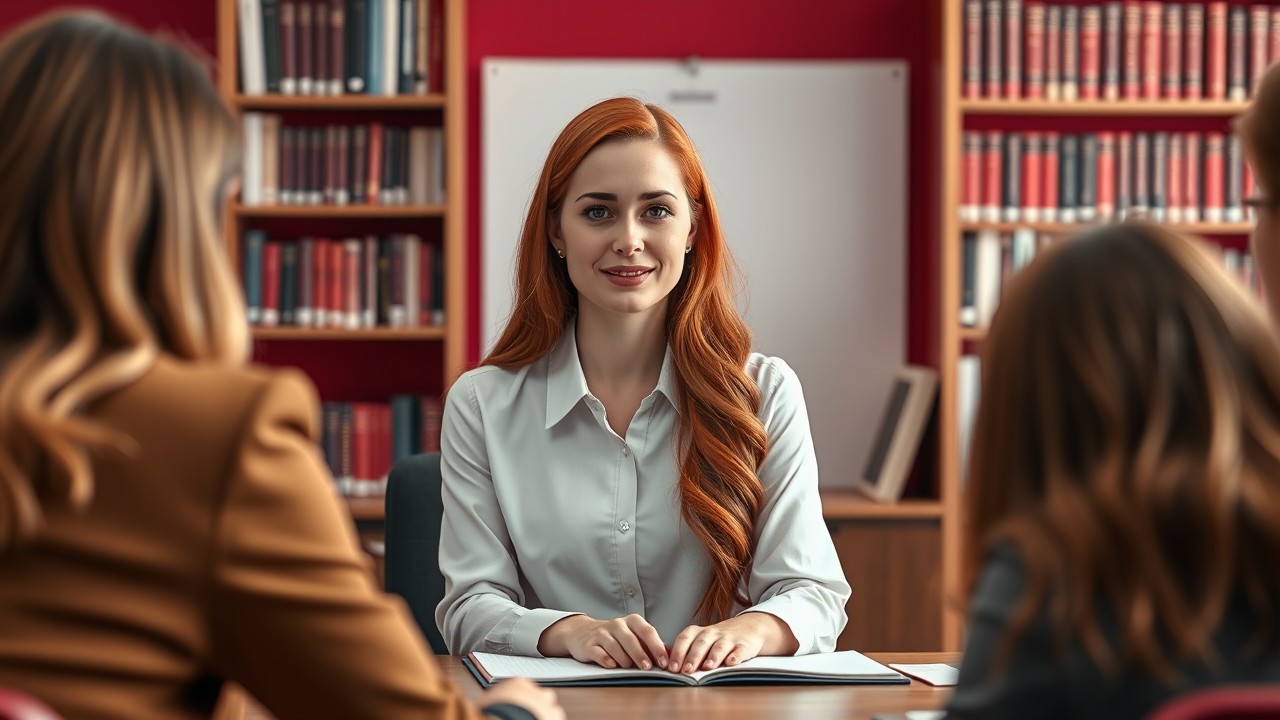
{"x": 553, "y": 233}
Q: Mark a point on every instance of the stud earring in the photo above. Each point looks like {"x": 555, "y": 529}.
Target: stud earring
{"x": 688, "y": 250}
{"x": 560, "y": 253}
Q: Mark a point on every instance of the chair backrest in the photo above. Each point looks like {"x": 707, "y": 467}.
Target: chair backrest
{"x": 17, "y": 705}
{"x": 412, "y": 561}
{"x": 1222, "y": 702}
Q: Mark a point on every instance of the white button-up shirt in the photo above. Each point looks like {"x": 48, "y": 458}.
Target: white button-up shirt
{"x": 548, "y": 513}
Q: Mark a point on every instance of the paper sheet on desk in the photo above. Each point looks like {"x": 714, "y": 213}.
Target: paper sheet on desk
{"x": 937, "y": 674}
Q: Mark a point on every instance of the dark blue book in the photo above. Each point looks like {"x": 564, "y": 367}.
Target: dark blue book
{"x": 251, "y": 273}
{"x": 355, "y": 48}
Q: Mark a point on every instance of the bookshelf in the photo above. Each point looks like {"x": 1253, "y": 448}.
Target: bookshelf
{"x": 961, "y": 112}
{"x": 442, "y": 341}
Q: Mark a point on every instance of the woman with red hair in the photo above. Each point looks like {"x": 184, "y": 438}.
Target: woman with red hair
{"x": 625, "y": 482}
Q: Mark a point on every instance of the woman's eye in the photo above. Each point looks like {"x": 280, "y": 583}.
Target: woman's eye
{"x": 658, "y": 212}
{"x": 596, "y": 212}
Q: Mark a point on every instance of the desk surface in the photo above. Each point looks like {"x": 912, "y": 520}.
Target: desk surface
{"x": 763, "y": 702}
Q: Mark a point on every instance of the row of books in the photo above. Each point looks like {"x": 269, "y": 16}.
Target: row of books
{"x": 360, "y": 441}
{"x": 354, "y": 283}
{"x": 371, "y": 163}
{"x": 336, "y": 47}
{"x": 1179, "y": 177}
{"x": 1130, "y": 49}
{"x": 989, "y": 258}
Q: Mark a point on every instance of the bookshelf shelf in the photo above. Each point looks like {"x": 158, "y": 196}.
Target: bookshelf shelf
{"x": 296, "y": 333}
{"x": 338, "y": 211}
{"x": 850, "y": 505}
{"x": 338, "y": 102}
{"x": 1184, "y": 108}
{"x": 1064, "y": 228}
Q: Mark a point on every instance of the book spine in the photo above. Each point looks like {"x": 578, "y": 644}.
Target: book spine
{"x": 432, "y": 417}
{"x": 373, "y": 181}
{"x": 408, "y": 33}
{"x": 994, "y": 51}
{"x": 1172, "y": 79}
{"x": 421, "y": 50}
{"x": 270, "y": 284}
{"x": 1010, "y": 201}
{"x": 1033, "y": 49}
{"x": 306, "y": 282}
{"x": 288, "y": 284}
{"x": 320, "y": 290}
{"x": 252, "y": 161}
{"x": 1176, "y": 183}
{"x": 306, "y": 51}
{"x": 1159, "y": 177}
{"x": 386, "y": 181}
{"x": 1124, "y": 174}
{"x": 251, "y": 274}
{"x": 330, "y": 165}
{"x": 397, "y": 307}
{"x": 412, "y": 280}
{"x": 1259, "y": 24}
{"x": 968, "y": 255}
{"x": 390, "y": 46}
{"x": 369, "y": 282}
{"x": 373, "y": 48}
{"x": 1216, "y": 51}
{"x": 1032, "y": 176}
{"x": 1012, "y": 48}
{"x": 359, "y": 164}
{"x": 342, "y": 183}
{"x": 353, "y": 251}
{"x": 426, "y": 283}
{"x": 435, "y": 46}
{"x": 316, "y": 167}
{"x": 987, "y": 275}
{"x": 320, "y": 46}
{"x": 1112, "y": 59}
{"x": 1069, "y": 179}
{"x": 970, "y": 180}
{"x": 419, "y": 172}
{"x": 355, "y": 46}
{"x": 337, "y": 47}
{"x": 1214, "y": 182}
{"x": 1193, "y": 52}
{"x": 301, "y": 160}
{"x": 270, "y": 159}
{"x": 333, "y": 283}
{"x": 1152, "y": 34}
{"x": 1106, "y": 176}
{"x": 271, "y": 43}
{"x": 1233, "y": 204}
{"x": 1193, "y": 163}
{"x": 992, "y": 176}
{"x": 1088, "y": 183}
{"x": 1140, "y": 202}
{"x": 1071, "y": 53}
{"x": 1049, "y": 160}
{"x": 1131, "y": 49}
{"x": 346, "y": 476}
{"x": 971, "y": 87}
{"x": 1053, "y": 52}
{"x": 1237, "y": 44}
{"x": 249, "y": 25}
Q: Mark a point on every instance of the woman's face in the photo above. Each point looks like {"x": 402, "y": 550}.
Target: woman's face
{"x": 623, "y": 227}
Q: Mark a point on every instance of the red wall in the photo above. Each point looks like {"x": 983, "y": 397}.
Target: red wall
{"x": 797, "y": 29}
{"x": 737, "y": 29}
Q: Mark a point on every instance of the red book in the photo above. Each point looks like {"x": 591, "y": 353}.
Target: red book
{"x": 1112, "y": 60}
{"x": 271, "y": 283}
{"x": 1053, "y": 52}
{"x": 336, "y": 285}
{"x": 1215, "y": 51}
{"x": 426, "y": 282}
{"x": 1193, "y": 52}
{"x": 1106, "y": 175}
{"x": 1152, "y": 33}
{"x": 1050, "y": 160}
{"x": 432, "y": 415}
{"x": 1033, "y": 49}
{"x": 362, "y": 446}
{"x": 1259, "y": 48}
{"x": 994, "y": 83}
{"x": 320, "y": 291}
{"x": 369, "y": 282}
{"x": 1090, "y": 51}
{"x": 1131, "y": 68}
{"x": 972, "y": 85}
{"x": 352, "y": 249}
{"x": 1032, "y": 176}
{"x": 1214, "y": 177}
{"x": 288, "y": 47}
{"x": 382, "y": 441}
{"x": 306, "y": 53}
{"x": 970, "y": 176}
{"x": 1237, "y": 51}
{"x": 993, "y": 176}
{"x": 1274, "y": 55}
{"x": 374, "y": 178}
{"x": 1172, "y": 79}
{"x": 1012, "y": 48}
{"x": 1175, "y": 183}
{"x": 1193, "y": 166}
{"x": 337, "y": 46}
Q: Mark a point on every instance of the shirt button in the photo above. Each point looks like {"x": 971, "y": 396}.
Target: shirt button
{"x": 624, "y": 525}
{"x": 631, "y": 592}
{"x": 626, "y": 451}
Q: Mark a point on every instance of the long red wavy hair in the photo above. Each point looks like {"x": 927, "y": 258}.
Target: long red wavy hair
{"x": 721, "y": 440}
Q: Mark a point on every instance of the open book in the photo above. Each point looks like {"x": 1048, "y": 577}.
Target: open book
{"x": 845, "y": 667}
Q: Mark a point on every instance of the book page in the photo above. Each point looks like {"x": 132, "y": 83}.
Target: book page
{"x": 501, "y": 667}
{"x": 843, "y": 664}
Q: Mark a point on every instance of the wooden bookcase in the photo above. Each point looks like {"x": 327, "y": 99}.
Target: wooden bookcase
{"x": 445, "y": 221}
{"x": 1013, "y": 114}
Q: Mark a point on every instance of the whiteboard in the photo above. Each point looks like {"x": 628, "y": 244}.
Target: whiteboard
{"x": 807, "y": 162}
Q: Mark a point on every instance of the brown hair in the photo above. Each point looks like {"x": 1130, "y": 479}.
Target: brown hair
{"x": 722, "y": 440}
{"x": 1259, "y": 131}
{"x": 114, "y": 153}
{"x": 1127, "y": 444}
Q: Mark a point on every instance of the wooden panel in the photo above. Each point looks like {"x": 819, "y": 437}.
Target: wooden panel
{"x": 894, "y": 567}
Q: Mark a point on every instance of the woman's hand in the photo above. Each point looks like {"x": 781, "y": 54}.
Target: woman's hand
{"x": 622, "y": 642}
{"x": 542, "y": 702}
{"x": 730, "y": 642}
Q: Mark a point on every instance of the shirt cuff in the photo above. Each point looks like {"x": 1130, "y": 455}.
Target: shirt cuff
{"x": 795, "y": 616}
{"x": 529, "y": 627}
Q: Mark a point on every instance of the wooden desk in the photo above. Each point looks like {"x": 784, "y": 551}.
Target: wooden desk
{"x": 761, "y": 702}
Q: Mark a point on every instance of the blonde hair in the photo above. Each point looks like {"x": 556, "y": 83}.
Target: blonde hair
{"x": 115, "y": 153}
{"x": 1127, "y": 444}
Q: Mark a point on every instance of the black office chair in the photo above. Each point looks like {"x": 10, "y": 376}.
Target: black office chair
{"x": 412, "y": 561}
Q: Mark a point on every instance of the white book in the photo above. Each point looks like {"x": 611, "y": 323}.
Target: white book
{"x": 253, "y": 69}
{"x": 987, "y": 276}
{"x": 844, "y": 667}
{"x": 968, "y": 390}
{"x": 390, "y": 41}
{"x": 251, "y": 191}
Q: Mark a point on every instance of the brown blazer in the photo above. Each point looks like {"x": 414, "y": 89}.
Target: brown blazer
{"x": 217, "y": 550}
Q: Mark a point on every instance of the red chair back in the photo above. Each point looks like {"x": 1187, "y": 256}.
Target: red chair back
{"x": 1225, "y": 702}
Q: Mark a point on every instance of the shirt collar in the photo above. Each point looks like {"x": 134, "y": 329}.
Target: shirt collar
{"x": 567, "y": 385}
